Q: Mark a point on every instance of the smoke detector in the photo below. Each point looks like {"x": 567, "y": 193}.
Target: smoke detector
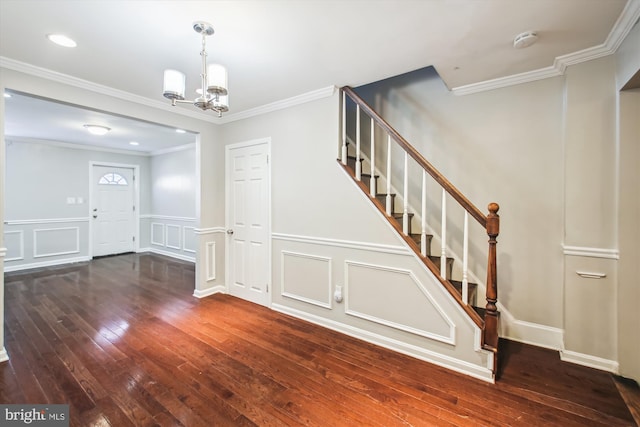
{"x": 525, "y": 39}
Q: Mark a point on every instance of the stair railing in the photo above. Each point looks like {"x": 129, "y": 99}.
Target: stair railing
{"x": 489, "y": 222}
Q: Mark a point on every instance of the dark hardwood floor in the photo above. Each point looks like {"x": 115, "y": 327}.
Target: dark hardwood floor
{"x": 122, "y": 340}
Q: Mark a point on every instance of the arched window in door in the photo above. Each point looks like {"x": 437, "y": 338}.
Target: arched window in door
{"x": 112, "y": 178}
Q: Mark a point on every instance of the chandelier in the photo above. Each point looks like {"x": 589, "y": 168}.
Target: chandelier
{"x": 213, "y": 93}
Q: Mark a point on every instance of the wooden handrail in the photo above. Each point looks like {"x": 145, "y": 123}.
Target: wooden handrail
{"x": 431, "y": 170}
{"x": 490, "y": 222}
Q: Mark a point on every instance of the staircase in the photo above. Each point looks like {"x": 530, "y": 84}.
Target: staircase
{"x": 387, "y": 157}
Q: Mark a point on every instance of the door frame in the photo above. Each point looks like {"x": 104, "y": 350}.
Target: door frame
{"x": 136, "y": 201}
{"x": 227, "y": 220}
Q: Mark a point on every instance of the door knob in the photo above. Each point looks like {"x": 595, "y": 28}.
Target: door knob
{"x": 229, "y": 231}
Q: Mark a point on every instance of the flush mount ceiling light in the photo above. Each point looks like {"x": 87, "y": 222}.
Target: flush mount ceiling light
{"x": 525, "y": 39}
{"x": 62, "y": 40}
{"x": 97, "y": 129}
{"x": 214, "y": 94}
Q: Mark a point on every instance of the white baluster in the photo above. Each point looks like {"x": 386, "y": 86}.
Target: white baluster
{"x": 358, "y": 164}
{"x": 344, "y": 128}
{"x": 423, "y": 233}
{"x": 443, "y": 235}
{"x": 389, "y": 207}
{"x": 405, "y": 205}
{"x": 372, "y": 183}
{"x": 465, "y": 260}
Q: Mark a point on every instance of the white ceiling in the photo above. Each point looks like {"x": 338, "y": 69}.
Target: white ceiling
{"x": 275, "y": 50}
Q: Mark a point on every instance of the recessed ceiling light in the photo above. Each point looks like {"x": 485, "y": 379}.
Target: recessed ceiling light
{"x": 134, "y": 143}
{"x": 97, "y": 129}
{"x": 62, "y": 40}
{"x": 181, "y": 131}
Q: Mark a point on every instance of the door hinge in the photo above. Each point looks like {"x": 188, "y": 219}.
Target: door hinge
{"x": 134, "y": 208}
{"x": 134, "y": 238}
{"x": 267, "y": 288}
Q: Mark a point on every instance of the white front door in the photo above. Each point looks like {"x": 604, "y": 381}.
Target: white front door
{"x": 248, "y": 221}
{"x": 112, "y": 210}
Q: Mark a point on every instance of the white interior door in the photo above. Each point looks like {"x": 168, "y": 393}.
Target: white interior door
{"x": 112, "y": 210}
{"x": 248, "y": 221}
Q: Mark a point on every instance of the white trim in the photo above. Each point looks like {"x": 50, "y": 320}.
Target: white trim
{"x": 45, "y": 221}
{"x": 94, "y": 87}
{"x": 211, "y": 230}
{"x": 480, "y": 372}
{"x": 621, "y": 28}
{"x": 168, "y": 218}
{"x": 4, "y": 356}
{"x": 46, "y": 263}
{"x": 590, "y": 361}
{"x": 179, "y": 246}
{"x": 3, "y": 252}
{"x": 35, "y": 242}
{"x": 280, "y": 105}
{"x": 532, "y": 333}
{"x": 451, "y": 339}
{"x": 591, "y": 252}
{"x": 169, "y": 254}
{"x": 44, "y": 73}
{"x": 218, "y": 289}
{"x": 210, "y": 261}
{"x": 152, "y": 239}
{"x": 173, "y": 149}
{"x": 365, "y": 246}
{"x": 72, "y": 146}
{"x": 184, "y": 239}
{"x": 324, "y": 304}
{"x": 21, "y": 256}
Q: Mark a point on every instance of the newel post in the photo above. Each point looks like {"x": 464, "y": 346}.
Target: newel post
{"x": 491, "y": 314}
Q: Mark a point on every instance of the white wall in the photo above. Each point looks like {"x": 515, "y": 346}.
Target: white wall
{"x": 42, "y": 226}
{"x": 628, "y": 64}
{"x": 171, "y": 223}
{"x": 501, "y": 146}
{"x": 210, "y": 188}
{"x": 323, "y": 223}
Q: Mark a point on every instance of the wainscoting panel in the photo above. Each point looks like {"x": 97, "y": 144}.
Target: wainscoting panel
{"x": 306, "y": 278}
{"x": 14, "y": 242}
{"x": 189, "y": 239}
{"x": 173, "y": 236}
{"x": 56, "y": 241}
{"x": 373, "y": 292}
{"x": 211, "y": 261}
{"x": 157, "y": 234}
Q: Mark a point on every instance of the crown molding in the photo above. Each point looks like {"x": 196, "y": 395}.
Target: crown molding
{"x": 173, "y": 149}
{"x": 55, "y": 76}
{"x": 51, "y": 142}
{"x": 624, "y": 24}
{"x": 66, "y": 79}
{"x": 280, "y": 105}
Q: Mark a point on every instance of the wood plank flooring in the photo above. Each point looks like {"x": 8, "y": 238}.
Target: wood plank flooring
{"x": 122, "y": 340}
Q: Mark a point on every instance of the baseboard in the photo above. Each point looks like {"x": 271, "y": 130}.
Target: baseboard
{"x": 590, "y": 361}
{"x": 533, "y": 333}
{"x": 169, "y": 254}
{"x": 4, "y": 356}
{"x": 479, "y": 372}
{"x": 10, "y": 268}
{"x": 209, "y": 291}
